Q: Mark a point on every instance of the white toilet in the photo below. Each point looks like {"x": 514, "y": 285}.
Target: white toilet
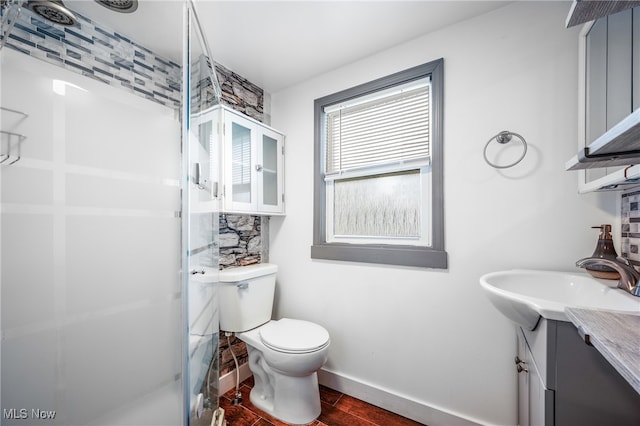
{"x": 284, "y": 355}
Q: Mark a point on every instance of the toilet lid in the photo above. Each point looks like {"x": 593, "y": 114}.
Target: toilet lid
{"x": 294, "y": 336}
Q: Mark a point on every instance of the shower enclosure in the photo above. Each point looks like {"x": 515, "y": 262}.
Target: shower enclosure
{"x": 106, "y": 315}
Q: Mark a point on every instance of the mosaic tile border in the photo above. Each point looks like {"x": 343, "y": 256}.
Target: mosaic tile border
{"x": 105, "y": 55}
{"x": 100, "y": 53}
{"x": 630, "y": 226}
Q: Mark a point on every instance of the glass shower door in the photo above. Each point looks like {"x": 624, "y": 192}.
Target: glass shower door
{"x": 200, "y": 224}
{"x": 90, "y": 236}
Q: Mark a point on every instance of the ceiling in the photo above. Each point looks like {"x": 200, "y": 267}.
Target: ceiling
{"x": 275, "y": 44}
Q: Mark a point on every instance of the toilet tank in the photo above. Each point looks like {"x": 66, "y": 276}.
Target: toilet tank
{"x": 246, "y": 296}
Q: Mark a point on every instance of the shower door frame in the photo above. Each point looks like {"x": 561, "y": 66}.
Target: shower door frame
{"x": 191, "y": 26}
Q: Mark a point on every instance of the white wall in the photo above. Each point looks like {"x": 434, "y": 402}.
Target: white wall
{"x": 430, "y": 336}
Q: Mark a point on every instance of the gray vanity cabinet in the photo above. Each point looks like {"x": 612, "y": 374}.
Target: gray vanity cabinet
{"x": 562, "y": 381}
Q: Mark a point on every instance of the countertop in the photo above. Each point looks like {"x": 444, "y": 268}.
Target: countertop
{"x": 615, "y": 335}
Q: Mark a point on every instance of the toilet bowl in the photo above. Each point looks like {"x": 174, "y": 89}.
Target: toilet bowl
{"x": 285, "y": 375}
{"x": 284, "y": 354}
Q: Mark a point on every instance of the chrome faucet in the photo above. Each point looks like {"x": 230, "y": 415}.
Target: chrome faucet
{"x": 629, "y": 276}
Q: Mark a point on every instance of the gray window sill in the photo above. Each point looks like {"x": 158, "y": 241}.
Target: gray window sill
{"x": 424, "y": 257}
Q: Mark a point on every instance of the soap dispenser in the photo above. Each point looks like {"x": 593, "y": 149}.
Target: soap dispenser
{"x": 605, "y": 250}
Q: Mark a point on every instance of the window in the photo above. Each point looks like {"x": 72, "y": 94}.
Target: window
{"x": 378, "y": 171}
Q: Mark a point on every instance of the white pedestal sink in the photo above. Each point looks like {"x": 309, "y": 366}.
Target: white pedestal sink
{"x": 524, "y": 295}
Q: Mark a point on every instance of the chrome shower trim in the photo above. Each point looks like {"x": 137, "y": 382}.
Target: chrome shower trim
{"x": 8, "y": 20}
{"x": 53, "y": 11}
{"x": 122, "y": 6}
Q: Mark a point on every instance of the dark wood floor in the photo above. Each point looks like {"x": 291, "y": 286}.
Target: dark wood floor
{"x": 338, "y": 409}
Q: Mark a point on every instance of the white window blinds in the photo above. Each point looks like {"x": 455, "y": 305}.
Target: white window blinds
{"x": 385, "y": 128}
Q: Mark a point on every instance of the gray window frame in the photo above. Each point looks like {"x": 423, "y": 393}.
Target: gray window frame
{"x": 434, "y": 256}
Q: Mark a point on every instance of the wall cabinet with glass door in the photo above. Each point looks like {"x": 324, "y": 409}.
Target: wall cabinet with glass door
{"x": 252, "y": 166}
{"x": 239, "y": 167}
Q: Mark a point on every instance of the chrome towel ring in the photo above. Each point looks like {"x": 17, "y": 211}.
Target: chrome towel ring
{"x": 505, "y": 137}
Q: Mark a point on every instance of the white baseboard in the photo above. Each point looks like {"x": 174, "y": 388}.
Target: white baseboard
{"x": 414, "y": 410}
{"x": 407, "y": 407}
{"x": 228, "y": 381}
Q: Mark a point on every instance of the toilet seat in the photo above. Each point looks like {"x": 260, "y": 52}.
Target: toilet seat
{"x": 294, "y": 336}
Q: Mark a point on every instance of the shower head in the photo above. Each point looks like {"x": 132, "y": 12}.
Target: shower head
{"x": 123, "y": 6}
{"x": 54, "y": 11}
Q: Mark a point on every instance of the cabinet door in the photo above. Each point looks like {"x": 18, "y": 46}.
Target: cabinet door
{"x": 610, "y": 71}
{"x": 240, "y": 159}
{"x": 203, "y": 162}
{"x": 596, "y": 89}
{"x": 535, "y": 401}
{"x": 540, "y": 402}
{"x": 523, "y": 384}
{"x": 635, "y": 66}
{"x": 609, "y": 77}
{"x": 270, "y": 172}
{"x": 619, "y": 71}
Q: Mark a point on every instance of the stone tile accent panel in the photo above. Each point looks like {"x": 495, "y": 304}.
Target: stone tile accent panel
{"x": 240, "y": 94}
{"x": 240, "y": 240}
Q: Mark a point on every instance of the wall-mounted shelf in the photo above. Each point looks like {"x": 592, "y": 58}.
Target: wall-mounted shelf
{"x": 618, "y": 146}
{"x": 618, "y": 180}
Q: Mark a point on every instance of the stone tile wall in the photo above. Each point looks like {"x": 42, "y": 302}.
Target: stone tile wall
{"x": 240, "y": 240}
{"x": 240, "y": 94}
